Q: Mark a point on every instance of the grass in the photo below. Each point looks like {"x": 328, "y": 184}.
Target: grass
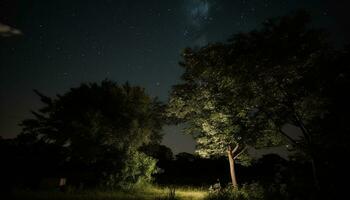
{"x": 146, "y": 193}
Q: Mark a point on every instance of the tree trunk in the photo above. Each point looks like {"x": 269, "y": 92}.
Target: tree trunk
{"x": 314, "y": 173}
{"x": 232, "y": 168}
{"x": 308, "y": 140}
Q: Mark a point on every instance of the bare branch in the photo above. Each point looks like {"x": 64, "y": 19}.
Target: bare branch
{"x": 301, "y": 125}
{"x": 236, "y": 148}
{"x": 287, "y": 136}
{"x": 236, "y": 156}
{"x": 279, "y": 128}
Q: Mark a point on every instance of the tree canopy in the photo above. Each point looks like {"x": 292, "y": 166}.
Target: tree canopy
{"x": 243, "y": 92}
{"x": 101, "y": 127}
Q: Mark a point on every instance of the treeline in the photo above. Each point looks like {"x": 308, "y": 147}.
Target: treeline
{"x": 31, "y": 165}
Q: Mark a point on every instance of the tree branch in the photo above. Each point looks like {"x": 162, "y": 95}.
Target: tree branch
{"x": 279, "y": 128}
{"x": 236, "y": 148}
{"x": 297, "y": 117}
{"x": 236, "y": 156}
{"x": 301, "y": 125}
{"x": 287, "y": 136}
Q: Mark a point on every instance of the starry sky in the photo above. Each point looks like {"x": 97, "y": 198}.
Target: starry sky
{"x": 54, "y": 45}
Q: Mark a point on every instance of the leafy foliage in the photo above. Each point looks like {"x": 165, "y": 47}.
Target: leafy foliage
{"x": 252, "y": 191}
{"x": 100, "y": 127}
{"x": 246, "y": 90}
{"x": 241, "y": 91}
{"x": 137, "y": 172}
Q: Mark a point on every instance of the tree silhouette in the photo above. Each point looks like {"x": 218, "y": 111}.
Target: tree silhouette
{"x": 100, "y": 127}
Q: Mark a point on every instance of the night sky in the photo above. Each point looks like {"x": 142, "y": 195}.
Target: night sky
{"x": 53, "y": 45}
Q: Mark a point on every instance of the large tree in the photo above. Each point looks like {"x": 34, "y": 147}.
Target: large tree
{"x": 100, "y": 127}
{"x": 241, "y": 93}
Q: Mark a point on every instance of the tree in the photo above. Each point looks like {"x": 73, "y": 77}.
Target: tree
{"x": 330, "y": 131}
{"x": 217, "y": 127}
{"x": 241, "y": 93}
{"x": 100, "y": 127}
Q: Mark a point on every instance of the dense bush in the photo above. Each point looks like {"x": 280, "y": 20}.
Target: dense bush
{"x": 252, "y": 191}
{"x": 98, "y": 128}
{"x": 137, "y": 171}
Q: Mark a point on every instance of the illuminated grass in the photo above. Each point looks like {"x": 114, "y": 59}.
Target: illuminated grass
{"x": 146, "y": 193}
{"x": 182, "y": 192}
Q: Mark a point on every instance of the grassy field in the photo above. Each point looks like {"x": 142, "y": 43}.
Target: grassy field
{"x": 149, "y": 193}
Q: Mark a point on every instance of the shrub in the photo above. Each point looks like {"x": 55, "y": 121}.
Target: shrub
{"x": 252, "y": 191}
{"x": 137, "y": 171}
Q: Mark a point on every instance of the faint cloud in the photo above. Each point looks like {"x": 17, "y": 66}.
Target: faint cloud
{"x": 8, "y": 31}
{"x": 198, "y": 12}
{"x": 198, "y": 17}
